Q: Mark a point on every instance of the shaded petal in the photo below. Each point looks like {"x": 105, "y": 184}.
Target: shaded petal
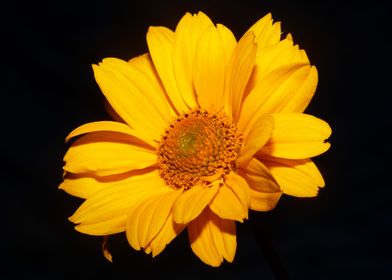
{"x": 256, "y": 136}
{"x": 264, "y": 190}
{"x": 128, "y": 97}
{"x": 187, "y": 34}
{"x": 118, "y": 199}
{"x": 105, "y": 249}
{"x": 160, "y": 42}
{"x": 227, "y": 205}
{"x": 168, "y": 232}
{"x": 297, "y": 136}
{"x": 273, "y": 93}
{"x": 299, "y": 178}
{"x": 241, "y": 189}
{"x": 212, "y": 238}
{"x": 238, "y": 72}
{"x": 107, "y": 153}
{"x": 209, "y": 70}
{"x": 192, "y": 202}
{"x": 147, "y": 218}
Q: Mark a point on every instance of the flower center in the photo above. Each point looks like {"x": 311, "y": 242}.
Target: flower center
{"x": 199, "y": 147}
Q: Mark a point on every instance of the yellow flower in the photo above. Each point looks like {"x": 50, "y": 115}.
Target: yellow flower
{"x": 207, "y": 128}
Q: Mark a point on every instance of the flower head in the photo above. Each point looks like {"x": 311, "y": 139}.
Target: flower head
{"x": 207, "y": 128}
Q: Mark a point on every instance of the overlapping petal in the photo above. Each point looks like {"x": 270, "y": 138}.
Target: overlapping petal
{"x": 192, "y": 202}
{"x": 149, "y": 216}
{"x": 212, "y": 238}
{"x": 255, "y": 138}
{"x": 128, "y": 93}
{"x": 264, "y": 190}
{"x": 299, "y": 177}
{"x": 107, "y": 153}
{"x": 238, "y": 72}
{"x": 188, "y": 34}
{"x": 117, "y": 200}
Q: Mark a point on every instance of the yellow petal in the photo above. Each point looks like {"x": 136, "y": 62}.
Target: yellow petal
{"x": 209, "y": 70}
{"x": 144, "y": 65}
{"x": 83, "y": 187}
{"x": 105, "y": 249}
{"x": 192, "y": 202}
{"x": 264, "y": 190}
{"x": 227, "y": 205}
{"x": 138, "y": 76}
{"x": 106, "y": 227}
{"x": 304, "y": 95}
{"x": 256, "y": 136}
{"x": 266, "y": 33}
{"x": 161, "y": 45}
{"x": 299, "y": 178}
{"x": 228, "y": 39}
{"x": 107, "y": 153}
{"x": 238, "y": 72}
{"x": 297, "y": 136}
{"x": 241, "y": 189}
{"x": 168, "y": 232}
{"x": 273, "y": 93}
{"x": 187, "y": 34}
{"x": 129, "y": 101}
{"x": 282, "y": 54}
{"x": 106, "y": 126}
{"x": 147, "y": 218}
{"x": 118, "y": 199}
{"x": 212, "y": 238}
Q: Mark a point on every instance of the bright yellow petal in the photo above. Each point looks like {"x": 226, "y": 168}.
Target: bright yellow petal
{"x": 118, "y": 199}
{"x": 107, "y": 126}
{"x": 212, "y": 238}
{"x": 187, "y": 34}
{"x": 256, "y": 136}
{"x": 161, "y": 45}
{"x": 297, "y": 136}
{"x": 209, "y": 70}
{"x": 107, "y": 153}
{"x": 266, "y": 33}
{"x": 238, "y": 72}
{"x": 192, "y": 202}
{"x": 299, "y": 178}
{"x": 264, "y": 190}
{"x": 147, "y": 218}
{"x": 273, "y": 93}
{"x": 227, "y": 205}
{"x": 168, "y": 232}
{"x": 128, "y": 97}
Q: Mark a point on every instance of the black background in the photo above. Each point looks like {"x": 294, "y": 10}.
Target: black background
{"x": 49, "y": 89}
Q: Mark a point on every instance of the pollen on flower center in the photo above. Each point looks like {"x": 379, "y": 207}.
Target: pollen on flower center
{"x": 198, "y": 147}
